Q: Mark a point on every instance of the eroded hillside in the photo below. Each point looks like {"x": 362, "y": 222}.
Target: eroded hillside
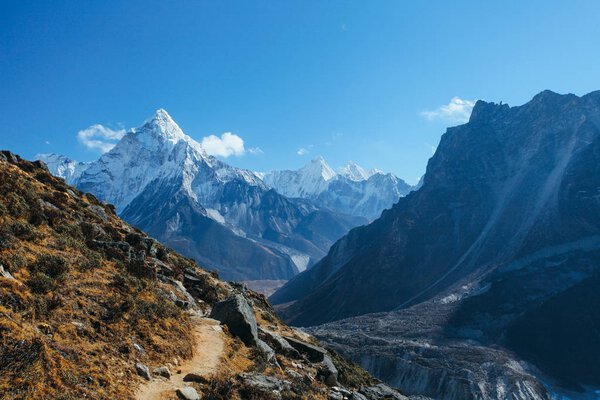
{"x": 91, "y": 307}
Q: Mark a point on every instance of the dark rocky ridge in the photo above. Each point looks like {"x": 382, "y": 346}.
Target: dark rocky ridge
{"x": 505, "y": 228}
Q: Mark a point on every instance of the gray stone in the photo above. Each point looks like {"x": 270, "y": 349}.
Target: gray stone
{"x": 187, "y": 393}
{"x": 194, "y": 377}
{"x": 143, "y": 371}
{"x": 328, "y": 372}
{"x": 278, "y": 343}
{"x": 264, "y": 383}
{"x": 381, "y": 391}
{"x": 238, "y": 316}
{"x": 4, "y": 273}
{"x": 139, "y": 348}
{"x": 99, "y": 211}
{"x": 162, "y": 371}
{"x": 266, "y": 350}
{"x": 313, "y": 353}
{"x": 357, "y": 396}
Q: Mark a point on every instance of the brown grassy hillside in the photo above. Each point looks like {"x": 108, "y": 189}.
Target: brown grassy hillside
{"x": 84, "y": 297}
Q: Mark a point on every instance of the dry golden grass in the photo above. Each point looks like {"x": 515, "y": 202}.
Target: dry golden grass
{"x": 71, "y": 316}
{"x": 70, "y": 334}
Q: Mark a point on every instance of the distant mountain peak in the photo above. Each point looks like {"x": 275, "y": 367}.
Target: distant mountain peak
{"x": 318, "y": 167}
{"x": 355, "y": 172}
{"x": 161, "y": 126}
{"x": 70, "y": 170}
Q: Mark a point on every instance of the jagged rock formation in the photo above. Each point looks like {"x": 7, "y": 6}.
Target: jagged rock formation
{"x": 162, "y": 181}
{"x": 352, "y": 191}
{"x": 505, "y": 230}
{"x": 89, "y": 306}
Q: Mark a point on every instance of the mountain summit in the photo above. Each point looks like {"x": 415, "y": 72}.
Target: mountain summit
{"x": 163, "y": 181}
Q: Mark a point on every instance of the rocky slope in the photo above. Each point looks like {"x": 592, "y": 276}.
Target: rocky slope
{"x": 352, "y": 191}
{"x": 91, "y": 307}
{"x": 505, "y": 230}
{"x": 162, "y": 181}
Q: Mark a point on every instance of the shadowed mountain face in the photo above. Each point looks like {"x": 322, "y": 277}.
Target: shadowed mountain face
{"x": 505, "y": 230}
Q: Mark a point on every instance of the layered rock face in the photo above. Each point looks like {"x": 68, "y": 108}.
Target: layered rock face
{"x": 503, "y": 236}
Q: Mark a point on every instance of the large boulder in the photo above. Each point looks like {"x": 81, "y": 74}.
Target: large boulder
{"x": 162, "y": 371}
{"x": 314, "y": 354}
{"x": 328, "y": 372}
{"x": 278, "y": 343}
{"x": 187, "y": 393}
{"x": 143, "y": 371}
{"x": 238, "y": 316}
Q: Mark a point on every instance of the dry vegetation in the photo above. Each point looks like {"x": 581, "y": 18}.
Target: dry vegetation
{"x": 84, "y": 303}
{"x": 69, "y": 319}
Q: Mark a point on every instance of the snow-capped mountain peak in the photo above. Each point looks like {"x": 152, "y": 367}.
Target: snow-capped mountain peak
{"x": 355, "y": 172}
{"x": 352, "y": 191}
{"x": 159, "y": 132}
{"x": 69, "y": 170}
{"x": 318, "y": 167}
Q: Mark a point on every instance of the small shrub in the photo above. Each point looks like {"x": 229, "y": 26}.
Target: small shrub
{"x": 17, "y": 206}
{"x": 91, "y": 261}
{"x": 13, "y": 261}
{"x": 40, "y": 307}
{"x": 127, "y": 283}
{"x": 151, "y": 311}
{"x": 23, "y": 230}
{"x": 41, "y": 283}
{"x": 53, "y": 266}
{"x": 140, "y": 269}
{"x": 219, "y": 389}
{"x": 7, "y": 239}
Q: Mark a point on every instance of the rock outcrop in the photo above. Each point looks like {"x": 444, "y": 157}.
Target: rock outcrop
{"x": 237, "y": 315}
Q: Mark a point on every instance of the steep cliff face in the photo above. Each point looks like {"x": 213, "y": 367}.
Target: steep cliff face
{"x": 497, "y": 189}
{"x": 505, "y": 229}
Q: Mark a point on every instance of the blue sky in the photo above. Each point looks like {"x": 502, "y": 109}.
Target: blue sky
{"x": 349, "y": 80}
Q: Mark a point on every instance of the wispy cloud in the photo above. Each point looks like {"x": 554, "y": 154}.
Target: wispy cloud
{"x": 457, "y": 111}
{"x": 229, "y": 144}
{"x": 302, "y": 151}
{"x": 99, "y": 137}
{"x": 257, "y": 151}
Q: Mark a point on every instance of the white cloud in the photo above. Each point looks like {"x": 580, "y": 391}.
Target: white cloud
{"x": 302, "y": 151}
{"x": 229, "y": 144}
{"x": 98, "y": 137}
{"x": 457, "y": 111}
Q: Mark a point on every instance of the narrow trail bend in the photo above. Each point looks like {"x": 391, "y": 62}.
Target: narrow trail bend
{"x": 208, "y": 349}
